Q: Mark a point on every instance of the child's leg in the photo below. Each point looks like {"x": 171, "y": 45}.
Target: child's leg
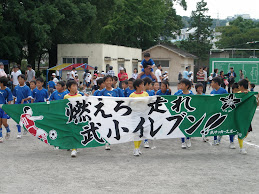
{"x": 153, "y": 75}
{"x": 240, "y": 142}
{"x": 4, "y": 121}
{"x": 183, "y": 140}
{"x": 137, "y": 144}
{"x": 231, "y": 138}
{"x": 1, "y": 134}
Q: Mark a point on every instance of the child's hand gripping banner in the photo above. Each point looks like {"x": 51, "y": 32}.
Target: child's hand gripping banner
{"x": 92, "y": 121}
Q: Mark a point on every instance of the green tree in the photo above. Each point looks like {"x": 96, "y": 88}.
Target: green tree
{"x": 199, "y": 42}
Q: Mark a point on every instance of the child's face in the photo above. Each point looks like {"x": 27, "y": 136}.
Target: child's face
{"x": 101, "y": 86}
{"x": 59, "y": 87}
{"x": 130, "y": 84}
{"x": 213, "y": 85}
{"x": 141, "y": 86}
{"x": 32, "y": 85}
{"x": 151, "y": 87}
{"x": 73, "y": 88}
{"x": 184, "y": 87}
{"x": 124, "y": 86}
{"x": 163, "y": 87}
{"x": 39, "y": 84}
{"x": 146, "y": 58}
{"x": 235, "y": 90}
{"x": 199, "y": 90}
{"x": 179, "y": 87}
{"x": 156, "y": 86}
{"x": 21, "y": 81}
{"x": 108, "y": 82}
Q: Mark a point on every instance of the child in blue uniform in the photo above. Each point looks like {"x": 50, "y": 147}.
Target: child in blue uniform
{"x": 114, "y": 85}
{"x": 5, "y": 97}
{"x": 128, "y": 91}
{"x": 184, "y": 89}
{"x": 51, "y": 86}
{"x": 100, "y": 85}
{"x": 199, "y": 89}
{"x": 147, "y": 85}
{"x": 217, "y": 89}
{"x": 39, "y": 94}
{"x": 108, "y": 91}
{"x": 22, "y": 95}
{"x": 165, "y": 90}
{"x": 59, "y": 93}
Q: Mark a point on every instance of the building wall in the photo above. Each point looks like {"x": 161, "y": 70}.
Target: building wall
{"x": 96, "y": 54}
{"x": 177, "y": 63}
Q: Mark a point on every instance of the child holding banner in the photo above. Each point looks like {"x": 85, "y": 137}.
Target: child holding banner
{"x": 5, "y": 97}
{"x": 73, "y": 92}
{"x": 165, "y": 90}
{"x": 39, "y": 94}
{"x": 22, "y": 95}
{"x": 185, "y": 89}
{"x": 109, "y": 91}
{"x": 139, "y": 87}
{"x": 147, "y": 84}
{"x": 114, "y": 85}
{"x": 59, "y": 93}
{"x": 128, "y": 91}
{"x": 100, "y": 85}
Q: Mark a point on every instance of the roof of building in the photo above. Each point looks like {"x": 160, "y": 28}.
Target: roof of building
{"x": 174, "y": 49}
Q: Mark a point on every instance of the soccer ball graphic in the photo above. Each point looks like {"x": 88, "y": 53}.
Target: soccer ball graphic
{"x": 53, "y": 134}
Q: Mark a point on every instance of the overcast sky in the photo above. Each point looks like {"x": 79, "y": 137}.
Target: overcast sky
{"x": 224, "y": 8}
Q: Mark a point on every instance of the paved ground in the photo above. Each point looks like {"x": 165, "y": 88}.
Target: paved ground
{"x": 30, "y": 166}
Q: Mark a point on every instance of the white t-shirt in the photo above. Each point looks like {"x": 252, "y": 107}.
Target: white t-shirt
{"x": 15, "y": 77}
{"x": 55, "y": 80}
{"x": 158, "y": 73}
{"x": 205, "y": 75}
{"x": 88, "y": 77}
{"x": 72, "y": 73}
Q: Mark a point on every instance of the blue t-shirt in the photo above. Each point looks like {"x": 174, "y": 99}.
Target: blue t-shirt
{"x": 96, "y": 92}
{"x": 128, "y": 92}
{"x": 40, "y": 95}
{"x": 167, "y": 92}
{"x": 185, "y": 75}
{"x": 219, "y": 91}
{"x": 151, "y": 92}
{"x": 57, "y": 96}
{"x": 180, "y": 92}
{"x": 121, "y": 92}
{"x": 52, "y": 84}
{"x": 5, "y": 96}
{"x": 252, "y": 90}
{"x": 144, "y": 63}
{"x": 112, "y": 93}
{"x": 21, "y": 92}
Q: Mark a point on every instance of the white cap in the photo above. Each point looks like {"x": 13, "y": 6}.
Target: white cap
{"x": 121, "y": 68}
{"x": 76, "y": 75}
{"x": 166, "y": 72}
{"x": 190, "y": 72}
{"x": 103, "y": 73}
{"x": 53, "y": 74}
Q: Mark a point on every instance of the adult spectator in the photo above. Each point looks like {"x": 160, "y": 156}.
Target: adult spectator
{"x": 135, "y": 73}
{"x": 180, "y": 76}
{"x": 14, "y": 76}
{"x": 158, "y": 74}
{"x": 215, "y": 74}
{"x": 200, "y": 76}
{"x": 241, "y": 75}
{"x": 122, "y": 75}
{"x": 111, "y": 72}
{"x": 165, "y": 76}
{"x": 205, "y": 71}
{"x": 186, "y": 73}
{"x": 2, "y": 72}
{"x": 73, "y": 74}
{"x": 55, "y": 80}
{"x": 147, "y": 73}
{"x": 30, "y": 74}
{"x": 231, "y": 78}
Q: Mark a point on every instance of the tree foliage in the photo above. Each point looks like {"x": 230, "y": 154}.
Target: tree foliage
{"x": 199, "y": 42}
{"x": 31, "y": 28}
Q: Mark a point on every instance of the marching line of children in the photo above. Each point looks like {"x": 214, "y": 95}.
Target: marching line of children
{"x": 107, "y": 86}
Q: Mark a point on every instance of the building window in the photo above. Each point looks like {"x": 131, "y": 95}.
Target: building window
{"x": 75, "y": 60}
{"x": 82, "y": 60}
{"x": 163, "y": 63}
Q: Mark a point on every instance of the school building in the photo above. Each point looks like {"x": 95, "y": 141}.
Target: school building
{"x": 100, "y": 55}
{"x": 172, "y": 59}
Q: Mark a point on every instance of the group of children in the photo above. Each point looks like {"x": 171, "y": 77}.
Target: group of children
{"x": 107, "y": 86}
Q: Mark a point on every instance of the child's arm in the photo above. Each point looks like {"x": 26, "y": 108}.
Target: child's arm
{"x": 153, "y": 76}
{"x": 26, "y": 99}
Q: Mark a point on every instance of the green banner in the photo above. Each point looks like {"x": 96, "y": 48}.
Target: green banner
{"x": 92, "y": 121}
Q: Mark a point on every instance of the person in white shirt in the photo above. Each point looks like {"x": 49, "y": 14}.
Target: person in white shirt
{"x": 2, "y": 72}
{"x": 205, "y": 79}
{"x": 190, "y": 77}
{"x": 55, "y": 80}
{"x": 158, "y": 74}
{"x": 165, "y": 76}
{"x": 72, "y": 74}
{"x": 14, "y": 76}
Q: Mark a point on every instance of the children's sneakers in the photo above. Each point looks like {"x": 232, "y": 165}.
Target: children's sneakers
{"x": 188, "y": 143}
{"x": 136, "y": 152}
{"x": 232, "y": 145}
{"x": 1, "y": 140}
{"x": 146, "y": 144}
{"x": 7, "y": 136}
{"x": 242, "y": 151}
{"x": 107, "y": 146}
{"x": 73, "y": 153}
{"x": 184, "y": 145}
{"x": 219, "y": 139}
{"x": 19, "y": 136}
{"x": 216, "y": 142}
